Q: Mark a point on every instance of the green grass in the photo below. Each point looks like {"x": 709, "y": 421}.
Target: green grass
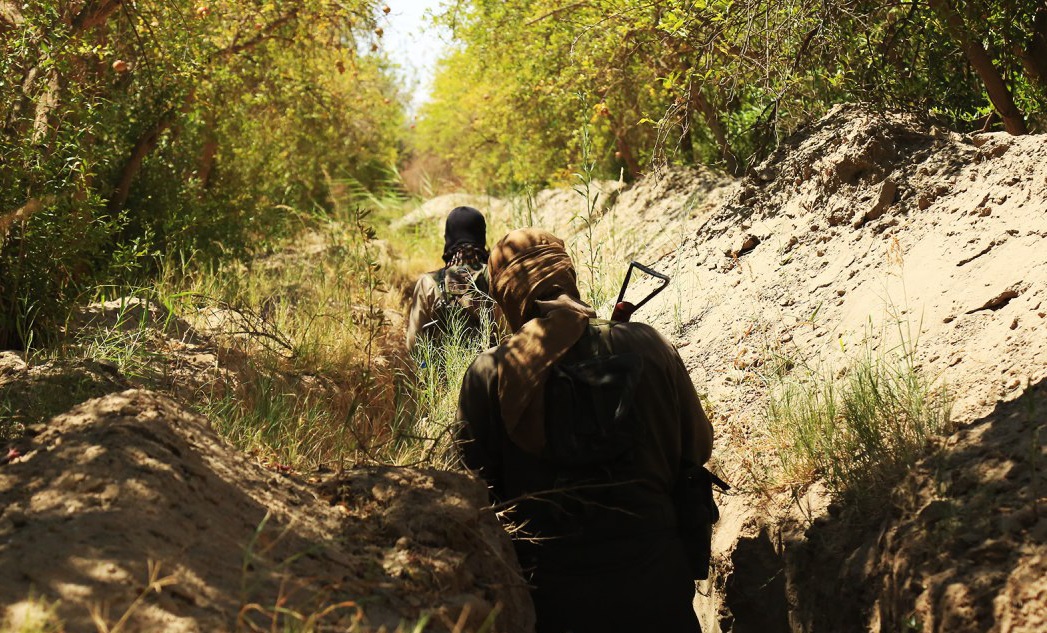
{"x": 309, "y": 366}
{"x": 858, "y": 430}
{"x": 428, "y": 433}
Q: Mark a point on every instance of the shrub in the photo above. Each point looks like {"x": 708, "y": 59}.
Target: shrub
{"x": 859, "y": 431}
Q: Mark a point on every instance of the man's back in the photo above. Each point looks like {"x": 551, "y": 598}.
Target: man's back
{"x": 599, "y": 530}
{"x": 455, "y": 298}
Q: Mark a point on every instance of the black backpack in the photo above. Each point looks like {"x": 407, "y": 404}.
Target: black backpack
{"x": 591, "y": 431}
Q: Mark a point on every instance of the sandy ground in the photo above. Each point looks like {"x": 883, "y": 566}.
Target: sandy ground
{"x": 133, "y": 479}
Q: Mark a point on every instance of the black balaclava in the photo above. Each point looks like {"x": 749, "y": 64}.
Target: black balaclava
{"x": 465, "y": 227}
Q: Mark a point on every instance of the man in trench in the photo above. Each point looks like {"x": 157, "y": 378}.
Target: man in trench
{"x": 459, "y": 290}
{"x": 587, "y": 454}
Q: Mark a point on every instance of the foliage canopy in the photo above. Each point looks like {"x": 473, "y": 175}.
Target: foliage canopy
{"x": 713, "y": 81}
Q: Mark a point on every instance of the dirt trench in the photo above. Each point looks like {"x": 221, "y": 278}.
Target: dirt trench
{"x": 863, "y": 232}
{"x": 866, "y": 232}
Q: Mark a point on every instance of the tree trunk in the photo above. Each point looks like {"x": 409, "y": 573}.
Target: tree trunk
{"x": 10, "y": 13}
{"x": 20, "y": 215}
{"x": 1034, "y": 55}
{"x": 208, "y": 153}
{"x": 45, "y": 105}
{"x": 94, "y": 13}
{"x": 999, "y": 94}
{"x": 712, "y": 120}
{"x": 145, "y": 144}
{"x": 632, "y": 166}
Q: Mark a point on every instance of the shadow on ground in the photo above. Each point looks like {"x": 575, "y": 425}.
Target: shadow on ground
{"x": 964, "y": 547}
{"x": 133, "y": 477}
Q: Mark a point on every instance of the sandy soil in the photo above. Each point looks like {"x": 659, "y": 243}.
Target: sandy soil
{"x": 133, "y": 478}
{"x": 863, "y": 232}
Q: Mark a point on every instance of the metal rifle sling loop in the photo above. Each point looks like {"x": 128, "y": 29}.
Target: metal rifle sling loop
{"x": 623, "y": 310}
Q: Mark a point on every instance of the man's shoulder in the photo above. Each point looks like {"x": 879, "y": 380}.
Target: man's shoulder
{"x": 483, "y": 370}
{"x": 624, "y": 328}
{"x": 633, "y": 336}
{"x": 429, "y": 280}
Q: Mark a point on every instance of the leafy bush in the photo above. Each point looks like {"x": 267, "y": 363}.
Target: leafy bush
{"x": 719, "y": 82}
{"x": 133, "y": 132}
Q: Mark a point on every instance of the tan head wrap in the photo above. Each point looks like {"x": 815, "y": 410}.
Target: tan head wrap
{"x": 534, "y": 283}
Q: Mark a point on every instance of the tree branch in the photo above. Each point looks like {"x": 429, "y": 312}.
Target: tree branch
{"x": 999, "y": 94}
{"x": 11, "y": 13}
{"x": 94, "y": 14}
{"x": 266, "y": 33}
{"x": 19, "y": 215}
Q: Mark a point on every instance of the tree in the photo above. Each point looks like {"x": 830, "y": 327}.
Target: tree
{"x": 134, "y": 130}
{"x": 714, "y": 81}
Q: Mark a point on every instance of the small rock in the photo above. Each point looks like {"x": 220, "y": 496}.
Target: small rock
{"x": 1014, "y": 323}
{"x": 840, "y": 292}
{"x": 1038, "y": 533}
{"x": 108, "y": 365}
{"x": 923, "y": 202}
{"x": 749, "y": 242}
{"x": 888, "y": 194}
{"x": 997, "y": 150}
{"x": 820, "y": 252}
{"x": 11, "y": 362}
{"x": 16, "y": 516}
{"x": 948, "y": 319}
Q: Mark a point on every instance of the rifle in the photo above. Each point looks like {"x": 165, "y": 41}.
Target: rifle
{"x": 623, "y": 310}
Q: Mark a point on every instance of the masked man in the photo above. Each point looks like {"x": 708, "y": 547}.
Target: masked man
{"x": 454, "y": 298}
{"x": 587, "y": 430}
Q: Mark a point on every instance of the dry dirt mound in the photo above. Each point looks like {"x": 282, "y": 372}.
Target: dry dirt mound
{"x": 861, "y": 228}
{"x": 653, "y": 217}
{"x": 133, "y": 477}
{"x": 436, "y": 209}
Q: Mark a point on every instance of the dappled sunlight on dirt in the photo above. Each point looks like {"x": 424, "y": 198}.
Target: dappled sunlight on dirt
{"x": 133, "y": 477}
